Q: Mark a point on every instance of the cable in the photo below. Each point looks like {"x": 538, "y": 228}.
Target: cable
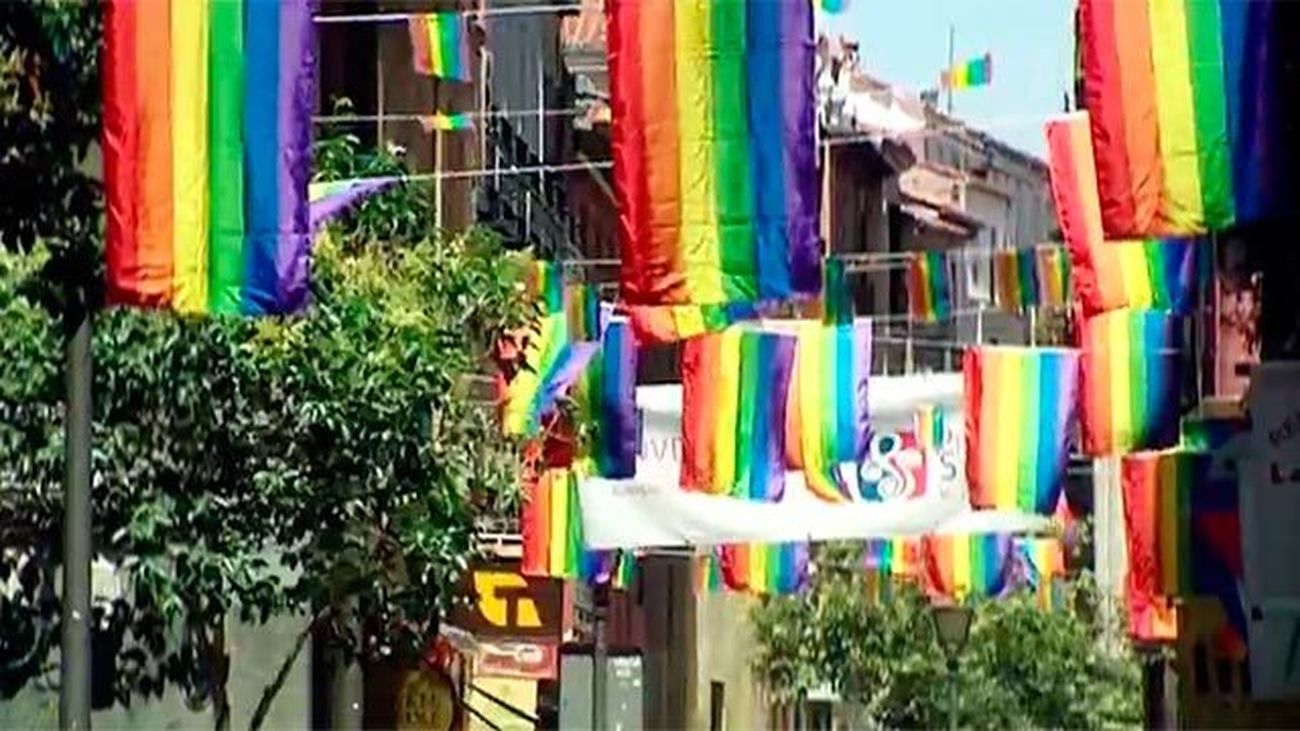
{"x": 486, "y": 13}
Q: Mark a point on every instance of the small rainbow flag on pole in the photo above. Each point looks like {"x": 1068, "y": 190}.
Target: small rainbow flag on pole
{"x": 1043, "y": 559}
{"x": 1020, "y": 408}
{"x": 837, "y": 300}
{"x": 961, "y": 566}
{"x": 1132, "y": 379}
{"x": 734, "y": 390}
{"x": 440, "y": 46}
{"x": 975, "y": 72}
{"x": 207, "y": 154}
{"x": 715, "y": 157}
{"x": 826, "y": 413}
{"x": 440, "y": 122}
{"x": 605, "y": 397}
{"x": 582, "y": 312}
{"x": 928, "y": 296}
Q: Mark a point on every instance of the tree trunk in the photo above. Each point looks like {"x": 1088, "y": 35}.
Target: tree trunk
{"x": 273, "y": 689}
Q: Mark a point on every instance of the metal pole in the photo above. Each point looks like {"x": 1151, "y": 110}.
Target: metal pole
{"x": 952, "y": 693}
{"x": 74, "y": 666}
{"x": 599, "y": 661}
{"x": 952, "y": 38}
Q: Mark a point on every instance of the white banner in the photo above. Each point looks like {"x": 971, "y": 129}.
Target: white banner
{"x": 1270, "y": 529}
{"x": 924, "y": 489}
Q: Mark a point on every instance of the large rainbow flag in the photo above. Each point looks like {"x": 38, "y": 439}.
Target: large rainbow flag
{"x": 1020, "y": 412}
{"x": 826, "y": 411}
{"x": 207, "y": 154}
{"x": 715, "y": 161}
{"x": 1142, "y": 273}
{"x": 734, "y": 390}
{"x": 961, "y": 566}
{"x": 1191, "y": 116}
{"x": 1132, "y": 381}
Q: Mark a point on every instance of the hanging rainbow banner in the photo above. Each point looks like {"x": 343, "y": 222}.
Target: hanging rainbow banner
{"x": 1015, "y": 280}
{"x": 440, "y": 122}
{"x": 1191, "y": 130}
{"x": 440, "y": 46}
{"x": 1162, "y": 274}
{"x": 1151, "y": 614}
{"x": 928, "y": 296}
{"x": 764, "y": 568}
{"x": 1052, "y": 265}
{"x": 715, "y": 160}
{"x": 551, "y": 360}
{"x": 961, "y": 566}
{"x": 551, "y": 524}
{"x": 1043, "y": 559}
{"x": 734, "y": 390}
{"x": 1132, "y": 381}
{"x": 207, "y": 154}
{"x": 826, "y": 410}
{"x": 1020, "y": 412}
{"x": 605, "y": 398}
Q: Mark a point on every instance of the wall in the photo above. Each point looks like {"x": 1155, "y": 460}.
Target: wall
{"x": 726, "y": 641}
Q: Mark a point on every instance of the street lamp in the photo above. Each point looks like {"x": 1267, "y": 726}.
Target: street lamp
{"x": 952, "y": 626}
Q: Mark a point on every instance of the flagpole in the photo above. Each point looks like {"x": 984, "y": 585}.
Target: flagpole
{"x": 952, "y": 37}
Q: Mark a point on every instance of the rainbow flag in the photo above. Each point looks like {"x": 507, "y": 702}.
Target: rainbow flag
{"x": 834, "y": 7}
{"x": 837, "y": 296}
{"x": 764, "y": 568}
{"x": 972, "y": 73}
{"x": 605, "y": 398}
{"x": 663, "y": 324}
{"x": 715, "y": 160}
{"x": 582, "y": 314}
{"x": 1150, "y": 613}
{"x": 930, "y": 425}
{"x": 1132, "y": 380}
{"x": 1043, "y": 560}
{"x": 826, "y": 409}
{"x": 1162, "y": 274}
{"x": 551, "y": 361}
{"x": 1020, "y": 411}
{"x": 708, "y": 572}
{"x": 1189, "y": 120}
{"x": 1053, "y": 271}
{"x": 961, "y": 566}
{"x": 440, "y": 122}
{"x": 898, "y": 557}
{"x": 551, "y": 524}
{"x": 1197, "y": 531}
{"x": 330, "y": 199}
{"x": 207, "y": 151}
{"x": 1209, "y": 433}
{"x": 1015, "y": 280}
{"x": 734, "y": 390}
{"x": 440, "y": 46}
{"x": 928, "y": 298}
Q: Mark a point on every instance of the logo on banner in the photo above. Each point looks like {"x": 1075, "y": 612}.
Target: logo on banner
{"x": 893, "y": 469}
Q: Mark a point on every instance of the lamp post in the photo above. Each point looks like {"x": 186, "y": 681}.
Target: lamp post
{"x": 952, "y": 627}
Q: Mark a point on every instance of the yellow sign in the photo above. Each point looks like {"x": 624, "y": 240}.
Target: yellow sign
{"x": 500, "y": 591}
{"x": 426, "y": 702}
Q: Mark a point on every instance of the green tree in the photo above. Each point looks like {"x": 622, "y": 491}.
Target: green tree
{"x": 330, "y": 465}
{"x": 1024, "y": 667}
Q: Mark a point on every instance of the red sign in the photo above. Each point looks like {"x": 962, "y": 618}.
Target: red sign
{"x": 528, "y": 660}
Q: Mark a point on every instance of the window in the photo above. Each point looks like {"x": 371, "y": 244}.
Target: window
{"x": 717, "y": 705}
